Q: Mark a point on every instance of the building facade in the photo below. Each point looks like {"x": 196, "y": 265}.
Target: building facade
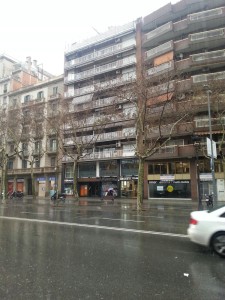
{"x": 186, "y": 37}
{"x": 35, "y": 145}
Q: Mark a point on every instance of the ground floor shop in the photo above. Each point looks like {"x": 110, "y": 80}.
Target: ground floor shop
{"x": 43, "y": 184}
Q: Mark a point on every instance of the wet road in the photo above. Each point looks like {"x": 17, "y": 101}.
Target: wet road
{"x": 45, "y": 255}
{"x": 154, "y": 217}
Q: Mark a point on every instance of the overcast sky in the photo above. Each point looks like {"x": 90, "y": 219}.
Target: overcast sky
{"x": 43, "y": 29}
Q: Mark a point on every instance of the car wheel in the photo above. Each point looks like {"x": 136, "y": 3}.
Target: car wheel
{"x": 218, "y": 244}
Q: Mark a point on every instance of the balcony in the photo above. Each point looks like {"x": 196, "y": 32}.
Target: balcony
{"x": 101, "y": 54}
{"x": 54, "y": 96}
{"x": 157, "y": 51}
{"x": 120, "y": 80}
{"x": 160, "y": 69}
{"x": 96, "y": 70}
{"x": 208, "y": 57}
{"x": 206, "y": 15}
{"x": 51, "y": 149}
{"x": 207, "y": 77}
{"x": 158, "y": 32}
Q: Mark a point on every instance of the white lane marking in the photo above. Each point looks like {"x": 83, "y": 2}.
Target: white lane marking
{"x": 148, "y": 216}
{"x": 96, "y": 226}
{"x": 31, "y": 213}
{"x": 121, "y": 220}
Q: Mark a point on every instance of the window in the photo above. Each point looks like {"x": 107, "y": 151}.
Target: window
{"x": 10, "y": 164}
{"x": 11, "y": 148}
{"x": 53, "y": 145}
{"x": 27, "y": 98}
{"x": 4, "y": 101}
{"x": 69, "y": 171}
{"x": 53, "y": 161}
{"x": 14, "y": 102}
{"x": 55, "y": 90}
{"x": 37, "y": 163}
{"x": 24, "y": 164}
{"x": 5, "y": 88}
{"x": 40, "y": 95}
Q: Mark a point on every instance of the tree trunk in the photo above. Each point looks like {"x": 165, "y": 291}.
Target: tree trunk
{"x": 3, "y": 182}
{"x": 33, "y": 183}
{"x": 76, "y": 195}
{"x": 140, "y": 187}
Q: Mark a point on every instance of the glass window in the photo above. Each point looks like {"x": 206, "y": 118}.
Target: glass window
{"x": 129, "y": 167}
{"x": 24, "y": 164}
{"x": 55, "y": 90}
{"x": 69, "y": 171}
{"x": 87, "y": 169}
{"x": 10, "y": 164}
{"x": 108, "y": 168}
{"x": 53, "y": 161}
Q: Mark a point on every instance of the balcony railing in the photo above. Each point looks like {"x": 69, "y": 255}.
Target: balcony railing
{"x": 205, "y": 15}
{"x": 161, "y": 68}
{"x": 208, "y": 56}
{"x": 159, "y": 50}
{"x": 102, "y": 69}
{"x": 159, "y": 31}
{"x": 206, "y": 35}
{"x": 110, "y": 83}
{"x": 210, "y": 76}
{"x": 112, "y": 50}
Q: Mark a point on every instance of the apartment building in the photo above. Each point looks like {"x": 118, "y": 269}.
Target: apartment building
{"x": 36, "y": 142}
{"x": 186, "y": 37}
{"x": 92, "y": 67}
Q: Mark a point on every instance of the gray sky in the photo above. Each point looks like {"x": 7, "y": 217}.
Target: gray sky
{"x": 43, "y": 29}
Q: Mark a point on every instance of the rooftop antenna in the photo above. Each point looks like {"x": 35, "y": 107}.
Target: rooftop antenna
{"x": 95, "y": 30}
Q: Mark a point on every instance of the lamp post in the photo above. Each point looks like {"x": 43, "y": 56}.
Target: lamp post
{"x": 212, "y": 165}
{"x": 196, "y": 141}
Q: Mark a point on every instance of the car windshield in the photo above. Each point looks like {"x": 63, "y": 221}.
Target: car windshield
{"x": 215, "y": 208}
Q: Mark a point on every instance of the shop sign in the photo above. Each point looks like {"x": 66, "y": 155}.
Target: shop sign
{"x": 20, "y": 180}
{"x": 205, "y": 177}
{"x": 68, "y": 180}
{"x": 51, "y": 178}
{"x": 167, "y": 177}
{"x": 40, "y": 179}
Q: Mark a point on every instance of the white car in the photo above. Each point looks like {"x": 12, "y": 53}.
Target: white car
{"x": 207, "y": 228}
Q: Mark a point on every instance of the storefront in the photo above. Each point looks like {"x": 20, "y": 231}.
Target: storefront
{"x": 170, "y": 189}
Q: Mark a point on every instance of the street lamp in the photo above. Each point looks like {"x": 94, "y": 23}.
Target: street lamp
{"x": 197, "y": 145}
{"x": 212, "y": 165}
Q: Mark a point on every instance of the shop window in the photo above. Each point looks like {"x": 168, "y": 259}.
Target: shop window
{"x": 129, "y": 167}
{"x": 87, "y": 170}
{"x": 108, "y": 168}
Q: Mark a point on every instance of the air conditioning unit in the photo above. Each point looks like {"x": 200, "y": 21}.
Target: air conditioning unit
{"x": 118, "y": 144}
{"x": 119, "y": 106}
{"x": 118, "y": 71}
{"x": 117, "y": 40}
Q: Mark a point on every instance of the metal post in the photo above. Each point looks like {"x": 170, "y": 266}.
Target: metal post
{"x": 209, "y": 92}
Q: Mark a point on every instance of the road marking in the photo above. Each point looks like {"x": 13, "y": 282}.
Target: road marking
{"x": 96, "y": 226}
{"x": 31, "y": 213}
{"x": 122, "y": 220}
{"x": 158, "y": 217}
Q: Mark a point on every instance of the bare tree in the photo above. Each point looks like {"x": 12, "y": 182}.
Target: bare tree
{"x": 9, "y": 141}
{"x": 32, "y": 145}
{"x": 160, "y": 110}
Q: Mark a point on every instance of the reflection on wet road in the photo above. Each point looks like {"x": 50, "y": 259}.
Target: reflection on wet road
{"x": 160, "y": 218}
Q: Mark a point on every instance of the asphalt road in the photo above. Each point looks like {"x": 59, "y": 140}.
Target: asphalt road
{"x": 71, "y": 253}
